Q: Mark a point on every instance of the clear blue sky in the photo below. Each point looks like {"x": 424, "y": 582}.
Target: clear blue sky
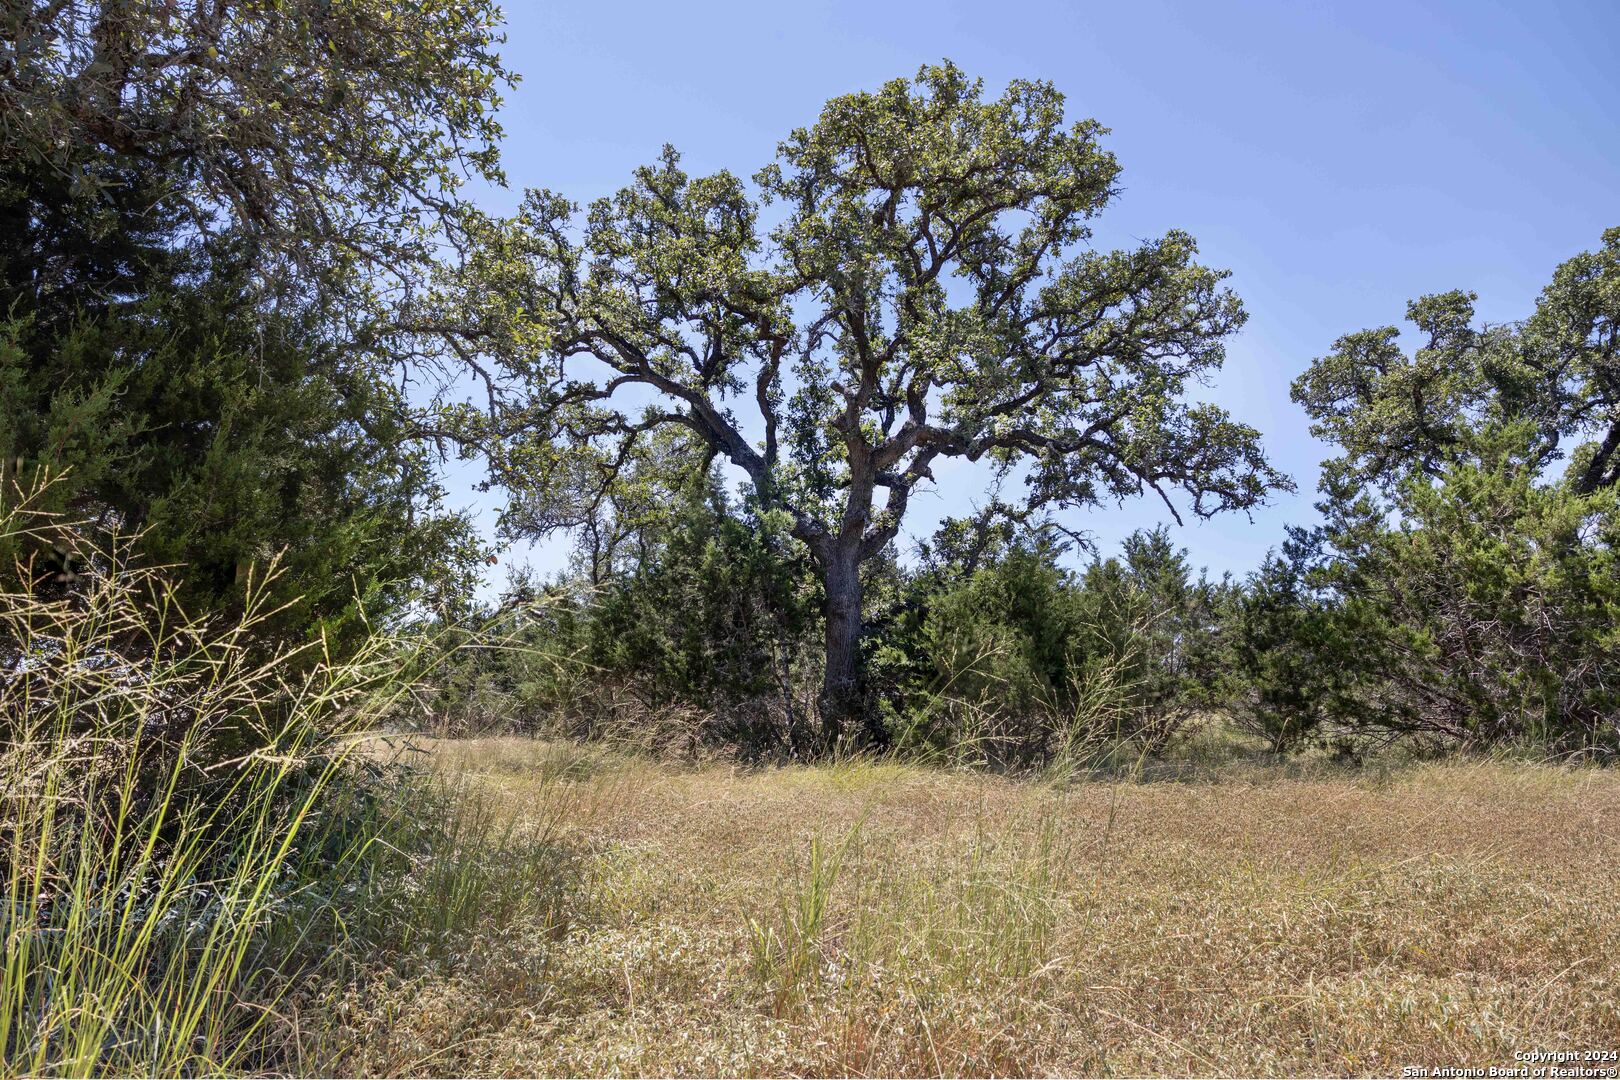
{"x": 1339, "y": 159}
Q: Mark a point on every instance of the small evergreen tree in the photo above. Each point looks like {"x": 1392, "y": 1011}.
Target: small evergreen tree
{"x": 1284, "y": 665}
{"x": 1020, "y": 659}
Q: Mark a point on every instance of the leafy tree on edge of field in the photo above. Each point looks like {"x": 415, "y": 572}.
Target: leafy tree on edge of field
{"x": 214, "y": 216}
{"x": 1470, "y": 593}
{"x": 921, "y": 298}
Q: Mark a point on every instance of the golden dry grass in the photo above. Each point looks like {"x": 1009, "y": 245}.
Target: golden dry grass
{"x": 889, "y": 920}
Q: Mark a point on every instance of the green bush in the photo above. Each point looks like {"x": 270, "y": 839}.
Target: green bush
{"x": 1487, "y": 611}
{"x": 1282, "y": 673}
{"x": 213, "y": 439}
{"x": 1021, "y": 661}
{"x": 692, "y": 632}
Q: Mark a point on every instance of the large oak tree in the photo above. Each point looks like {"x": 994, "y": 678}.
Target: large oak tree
{"x": 909, "y": 281}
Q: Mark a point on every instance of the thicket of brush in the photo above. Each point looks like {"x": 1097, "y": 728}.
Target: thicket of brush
{"x": 1476, "y": 609}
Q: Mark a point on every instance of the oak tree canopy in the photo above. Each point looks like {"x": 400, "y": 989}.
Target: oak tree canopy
{"x": 908, "y": 281}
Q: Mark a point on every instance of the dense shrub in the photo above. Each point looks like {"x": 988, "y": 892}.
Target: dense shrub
{"x": 692, "y": 633}
{"x": 1475, "y": 607}
{"x": 1156, "y": 622}
{"x": 1280, "y": 673}
{"x": 1022, "y": 661}
{"x": 711, "y": 616}
{"x": 981, "y": 667}
{"x": 213, "y": 438}
{"x": 1487, "y": 611}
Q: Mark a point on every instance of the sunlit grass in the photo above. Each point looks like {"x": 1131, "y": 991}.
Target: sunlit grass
{"x": 1237, "y": 915}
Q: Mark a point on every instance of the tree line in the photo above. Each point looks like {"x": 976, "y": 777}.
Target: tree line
{"x": 243, "y": 292}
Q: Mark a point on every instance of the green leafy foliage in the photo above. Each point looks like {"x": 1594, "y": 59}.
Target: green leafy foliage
{"x": 925, "y": 294}
{"x": 1488, "y": 611}
{"x": 212, "y": 214}
{"x": 1019, "y": 661}
{"x": 1283, "y": 671}
{"x": 709, "y": 615}
{"x": 217, "y": 441}
{"x": 1463, "y": 592}
{"x": 683, "y": 625}
{"x": 1558, "y": 370}
{"x": 334, "y": 133}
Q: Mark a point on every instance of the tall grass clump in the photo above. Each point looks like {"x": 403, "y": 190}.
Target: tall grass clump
{"x": 170, "y": 787}
{"x": 787, "y": 950}
{"x": 891, "y": 953}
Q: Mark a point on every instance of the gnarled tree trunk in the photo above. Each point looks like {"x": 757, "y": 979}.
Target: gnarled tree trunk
{"x": 840, "y": 699}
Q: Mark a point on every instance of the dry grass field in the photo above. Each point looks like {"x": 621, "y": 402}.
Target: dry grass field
{"x": 1212, "y": 918}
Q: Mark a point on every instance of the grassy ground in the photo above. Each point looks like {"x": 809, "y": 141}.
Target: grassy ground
{"x": 1217, "y": 917}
